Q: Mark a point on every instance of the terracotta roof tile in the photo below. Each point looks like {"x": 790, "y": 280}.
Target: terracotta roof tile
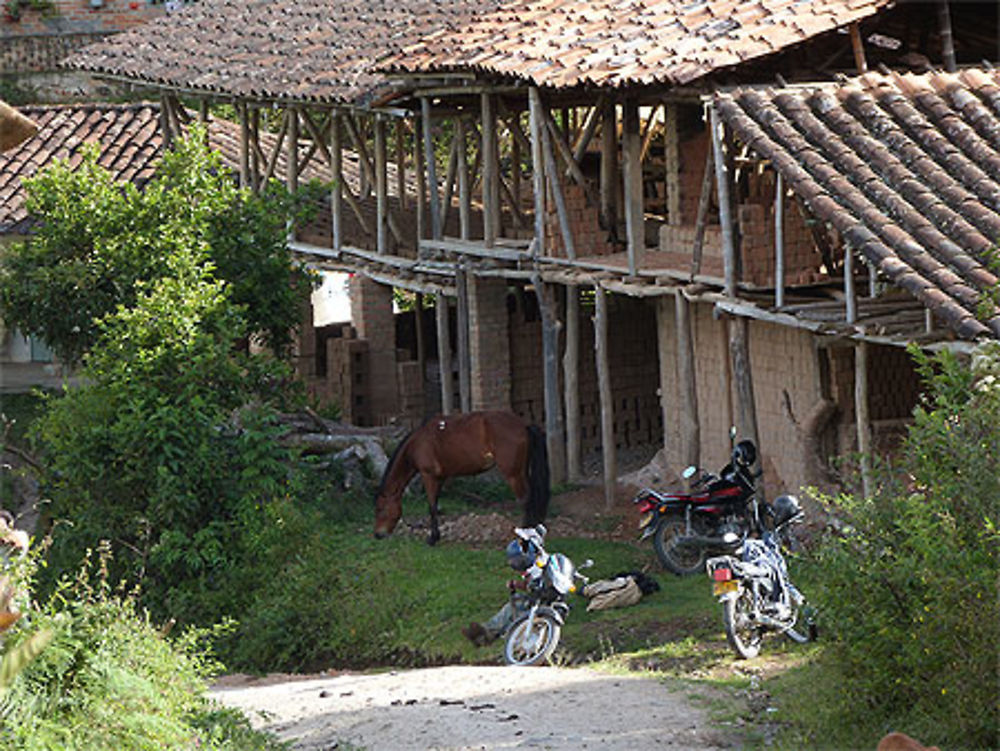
{"x": 905, "y": 167}
{"x": 627, "y": 41}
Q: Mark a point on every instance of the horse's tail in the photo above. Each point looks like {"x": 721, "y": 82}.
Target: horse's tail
{"x": 538, "y": 478}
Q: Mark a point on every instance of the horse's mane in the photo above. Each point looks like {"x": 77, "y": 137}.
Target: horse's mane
{"x": 395, "y": 455}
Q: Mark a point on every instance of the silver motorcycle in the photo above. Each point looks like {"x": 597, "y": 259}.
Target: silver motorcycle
{"x": 533, "y": 637}
{"x": 753, "y": 586}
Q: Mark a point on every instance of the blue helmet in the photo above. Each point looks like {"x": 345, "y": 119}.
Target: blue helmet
{"x": 521, "y": 554}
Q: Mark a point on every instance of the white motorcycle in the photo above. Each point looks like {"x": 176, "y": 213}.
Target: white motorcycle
{"x": 532, "y": 638}
{"x": 753, "y": 586}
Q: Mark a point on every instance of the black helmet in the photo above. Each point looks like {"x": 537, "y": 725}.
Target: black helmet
{"x": 521, "y": 554}
{"x": 745, "y": 453}
{"x": 785, "y": 509}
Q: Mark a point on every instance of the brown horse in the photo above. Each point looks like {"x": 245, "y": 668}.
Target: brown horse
{"x": 466, "y": 444}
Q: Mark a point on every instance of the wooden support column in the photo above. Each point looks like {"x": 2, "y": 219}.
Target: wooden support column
{"x": 858, "y": 48}
{"x": 292, "y": 159}
{"x": 381, "y": 188}
{"x": 850, "y": 294}
{"x": 418, "y": 169}
{"x": 861, "y": 414}
{"x": 739, "y": 353}
{"x": 337, "y": 178}
{"x": 241, "y": 108}
{"x": 701, "y": 221}
{"x": 947, "y": 38}
{"x": 571, "y": 385}
{"x": 537, "y": 168}
{"x": 400, "y": 164}
{"x": 555, "y": 437}
{"x": 515, "y": 171}
{"x": 609, "y": 165}
{"x": 167, "y": 130}
{"x": 464, "y": 366}
{"x": 779, "y": 240}
{"x": 687, "y": 387}
{"x": 491, "y": 171}
{"x": 604, "y": 389}
{"x": 444, "y": 354}
{"x": 632, "y": 166}
{"x": 555, "y": 188}
{"x": 255, "y": 168}
{"x": 672, "y": 158}
{"x": 722, "y": 177}
{"x": 432, "y": 183}
{"x": 587, "y": 134}
{"x": 418, "y": 322}
{"x": 464, "y": 192}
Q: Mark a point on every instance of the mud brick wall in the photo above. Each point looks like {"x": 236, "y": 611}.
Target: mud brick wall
{"x": 372, "y": 315}
{"x": 74, "y": 17}
{"x": 348, "y": 374}
{"x": 584, "y": 221}
{"x": 488, "y": 332}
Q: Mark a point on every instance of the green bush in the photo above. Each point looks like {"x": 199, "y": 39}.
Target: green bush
{"x": 909, "y": 595}
{"x": 110, "y": 680}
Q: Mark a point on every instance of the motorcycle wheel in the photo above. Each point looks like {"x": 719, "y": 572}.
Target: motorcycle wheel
{"x": 678, "y": 559}
{"x": 741, "y": 632}
{"x": 534, "y": 645}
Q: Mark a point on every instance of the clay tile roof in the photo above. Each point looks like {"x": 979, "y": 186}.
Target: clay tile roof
{"x": 299, "y": 50}
{"x": 905, "y": 167}
{"x": 564, "y": 43}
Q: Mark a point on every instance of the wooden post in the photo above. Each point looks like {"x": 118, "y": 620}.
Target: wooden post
{"x": 634, "y": 213}
{"x": 292, "y": 159}
{"x": 739, "y": 352}
{"x": 687, "y": 386}
{"x": 707, "y": 178}
{"x": 400, "y": 165}
{"x": 850, "y": 296}
{"x": 725, "y": 207}
{"x": 947, "y": 38}
{"x": 432, "y": 183}
{"x": 552, "y": 173}
{"x": 555, "y": 438}
{"x": 537, "y": 168}
{"x": 858, "y": 47}
{"x": 571, "y": 386}
{"x": 167, "y": 130}
{"x": 491, "y": 171}
{"x": 609, "y": 165}
{"x": 337, "y": 177}
{"x": 672, "y": 154}
{"x": 464, "y": 193}
{"x": 449, "y": 180}
{"x": 862, "y": 415}
{"x": 418, "y": 322}
{"x": 418, "y": 169}
{"x": 779, "y": 240}
{"x": 255, "y": 171}
{"x": 604, "y": 389}
{"x": 587, "y": 133}
{"x": 444, "y": 354}
{"x": 381, "y": 188}
{"x": 241, "y": 108}
{"x": 464, "y": 366}
{"x": 515, "y": 170}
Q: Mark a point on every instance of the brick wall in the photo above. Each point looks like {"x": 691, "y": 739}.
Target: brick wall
{"x": 488, "y": 331}
{"x": 78, "y": 17}
{"x": 372, "y": 315}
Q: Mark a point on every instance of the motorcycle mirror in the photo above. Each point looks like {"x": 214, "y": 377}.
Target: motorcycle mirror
{"x": 732, "y": 433}
{"x": 689, "y": 472}
{"x": 587, "y": 563}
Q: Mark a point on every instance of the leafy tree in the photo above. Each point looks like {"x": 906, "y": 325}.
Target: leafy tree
{"x": 97, "y": 240}
{"x": 909, "y": 596}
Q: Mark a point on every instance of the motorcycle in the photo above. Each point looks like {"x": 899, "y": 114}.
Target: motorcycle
{"x": 687, "y": 527}
{"x": 753, "y": 586}
{"x": 532, "y": 638}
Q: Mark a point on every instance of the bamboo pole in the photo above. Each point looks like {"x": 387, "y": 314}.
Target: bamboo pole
{"x": 634, "y": 214}
{"x": 571, "y": 389}
{"x": 725, "y": 207}
{"x": 537, "y": 169}
{"x": 604, "y": 389}
{"x": 444, "y": 354}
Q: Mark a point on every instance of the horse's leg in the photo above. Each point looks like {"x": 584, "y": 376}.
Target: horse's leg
{"x": 432, "y": 486}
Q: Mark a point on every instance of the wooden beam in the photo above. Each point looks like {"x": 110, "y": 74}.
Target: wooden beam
{"x": 861, "y": 413}
{"x": 432, "y": 183}
{"x": 609, "y": 165}
{"x": 421, "y": 179}
{"x": 947, "y": 38}
{"x": 464, "y": 366}
{"x": 632, "y": 171}
{"x": 850, "y": 295}
{"x": 739, "y": 353}
{"x": 279, "y": 144}
{"x": 244, "y": 114}
{"x": 604, "y": 389}
{"x": 449, "y": 180}
{"x": 571, "y": 385}
{"x": 555, "y": 187}
{"x": 722, "y": 177}
{"x": 418, "y": 322}
{"x": 400, "y": 132}
{"x": 779, "y": 240}
{"x": 318, "y": 133}
{"x": 559, "y": 141}
{"x": 292, "y": 155}
{"x": 464, "y": 193}
{"x": 701, "y": 221}
{"x": 647, "y": 134}
{"x": 858, "y": 48}
{"x": 364, "y": 160}
{"x": 672, "y": 161}
{"x": 555, "y": 437}
{"x": 381, "y": 188}
{"x": 444, "y": 354}
{"x": 491, "y": 170}
{"x": 537, "y": 168}
{"x": 256, "y": 157}
{"x": 337, "y": 178}
{"x": 588, "y": 131}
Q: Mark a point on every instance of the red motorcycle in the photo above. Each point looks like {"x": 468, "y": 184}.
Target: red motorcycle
{"x": 714, "y": 518}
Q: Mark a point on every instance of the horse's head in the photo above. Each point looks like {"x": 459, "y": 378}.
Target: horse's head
{"x": 388, "y": 509}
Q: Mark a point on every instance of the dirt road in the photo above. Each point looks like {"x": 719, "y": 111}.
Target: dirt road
{"x": 474, "y": 707}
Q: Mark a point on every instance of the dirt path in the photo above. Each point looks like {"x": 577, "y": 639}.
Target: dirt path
{"x": 474, "y": 707}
